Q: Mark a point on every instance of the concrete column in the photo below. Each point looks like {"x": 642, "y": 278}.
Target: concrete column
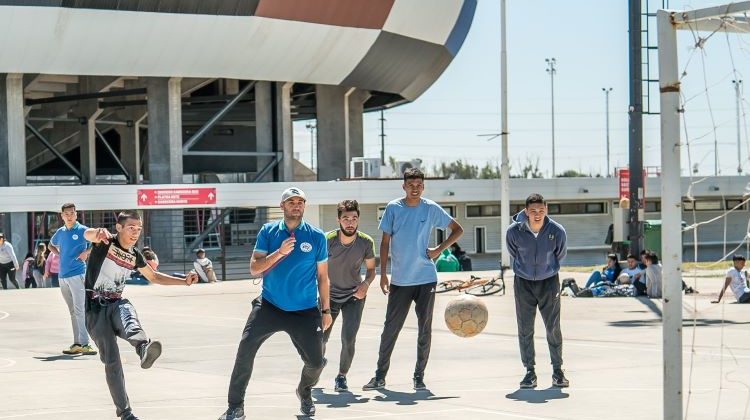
{"x": 164, "y": 130}
{"x": 356, "y": 102}
{"x": 130, "y": 146}
{"x": 284, "y": 131}
{"x": 164, "y": 104}
{"x": 88, "y": 144}
{"x": 231, "y": 86}
{"x": 263, "y": 125}
{"x": 13, "y": 156}
{"x": 340, "y": 130}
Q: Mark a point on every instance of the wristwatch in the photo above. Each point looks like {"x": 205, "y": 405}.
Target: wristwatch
{"x": 325, "y": 311}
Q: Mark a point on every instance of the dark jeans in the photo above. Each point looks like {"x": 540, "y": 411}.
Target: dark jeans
{"x": 54, "y": 279}
{"x": 105, "y": 323}
{"x": 304, "y": 328}
{"x": 351, "y": 311}
{"x": 30, "y": 281}
{"x": 8, "y": 272}
{"x": 399, "y": 303}
{"x": 745, "y": 298}
{"x": 544, "y": 294}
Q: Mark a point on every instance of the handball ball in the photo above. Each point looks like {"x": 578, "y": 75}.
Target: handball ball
{"x": 466, "y": 316}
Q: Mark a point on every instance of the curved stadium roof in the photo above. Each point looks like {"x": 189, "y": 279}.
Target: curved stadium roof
{"x": 398, "y": 47}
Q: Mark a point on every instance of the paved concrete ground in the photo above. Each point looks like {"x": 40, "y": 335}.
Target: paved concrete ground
{"x": 612, "y": 353}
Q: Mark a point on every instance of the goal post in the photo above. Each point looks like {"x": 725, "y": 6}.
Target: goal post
{"x": 668, "y": 23}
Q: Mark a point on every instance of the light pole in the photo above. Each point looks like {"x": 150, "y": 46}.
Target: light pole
{"x": 505, "y": 165}
{"x": 312, "y": 127}
{"x": 551, "y": 70}
{"x": 737, "y": 88}
{"x": 606, "y": 108}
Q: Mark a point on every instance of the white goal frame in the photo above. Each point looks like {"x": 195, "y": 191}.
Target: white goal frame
{"x": 668, "y": 23}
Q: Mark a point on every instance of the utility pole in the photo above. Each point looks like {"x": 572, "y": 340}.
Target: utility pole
{"x": 737, "y": 89}
{"x": 606, "y": 108}
{"x": 505, "y": 165}
{"x": 382, "y": 136}
{"x": 551, "y": 70}
{"x": 635, "y": 126}
{"x": 311, "y": 127}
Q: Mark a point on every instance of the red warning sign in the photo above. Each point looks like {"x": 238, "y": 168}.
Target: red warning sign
{"x": 176, "y": 196}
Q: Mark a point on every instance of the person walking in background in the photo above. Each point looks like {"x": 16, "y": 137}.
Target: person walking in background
{"x": 52, "y": 269}
{"x": 28, "y": 275}
{"x": 537, "y": 245}
{"x": 70, "y": 244}
{"x": 39, "y": 261}
{"x": 8, "y": 263}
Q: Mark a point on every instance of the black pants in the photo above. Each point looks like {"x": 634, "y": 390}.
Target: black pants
{"x": 30, "y": 282}
{"x": 544, "y": 294}
{"x": 745, "y": 298}
{"x": 304, "y": 328}
{"x": 351, "y": 312}
{"x": 399, "y": 303}
{"x": 8, "y": 272}
{"x": 105, "y": 322}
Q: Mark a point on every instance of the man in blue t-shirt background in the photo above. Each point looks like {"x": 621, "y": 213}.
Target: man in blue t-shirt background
{"x": 68, "y": 242}
{"x": 407, "y": 225}
{"x": 292, "y": 257}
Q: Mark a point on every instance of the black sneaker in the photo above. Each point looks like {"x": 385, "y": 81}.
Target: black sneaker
{"x": 559, "y": 380}
{"x": 529, "y": 381}
{"x": 149, "y": 353}
{"x": 340, "y": 382}
{"x": 128, "y": 416}
{"x": 419, "y": 383}
{"x": 374, "y": 384}
{"x": 237, "y": 413}
{"x": 306, "y": 405}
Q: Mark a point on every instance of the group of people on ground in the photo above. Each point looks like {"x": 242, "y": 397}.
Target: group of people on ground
{"x": 640, "y": 277}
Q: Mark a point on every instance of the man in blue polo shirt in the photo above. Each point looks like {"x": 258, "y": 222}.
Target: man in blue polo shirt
{"x": 68, "y": 242}
{"x": 292, "y": 257}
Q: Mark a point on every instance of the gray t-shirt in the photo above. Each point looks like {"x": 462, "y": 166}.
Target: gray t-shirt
{"x": 345, "y": 262}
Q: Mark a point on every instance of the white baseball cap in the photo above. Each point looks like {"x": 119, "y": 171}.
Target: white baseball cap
{"x": 292, "y": 192}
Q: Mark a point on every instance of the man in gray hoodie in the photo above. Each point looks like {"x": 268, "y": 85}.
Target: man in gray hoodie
{"x": 537, "y": 245}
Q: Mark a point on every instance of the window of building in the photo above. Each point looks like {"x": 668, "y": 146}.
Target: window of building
{"x": 732, "y": 203}
{"x": 598, "y": 207}
{"x": 703, "y": 205}
{"x": 482, "y": 210}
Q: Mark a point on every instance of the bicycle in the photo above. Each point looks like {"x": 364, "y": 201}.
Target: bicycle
{"x": 476, "y": 286}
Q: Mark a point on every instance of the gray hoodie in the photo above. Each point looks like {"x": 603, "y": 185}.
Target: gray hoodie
{"x": 536, "y": 258}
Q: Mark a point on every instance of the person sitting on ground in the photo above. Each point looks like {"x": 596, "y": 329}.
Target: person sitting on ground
{"x": 446, "y": 262}
{"x": 204, "y": 267}
{"x": 151, "y": 258}
{"x": 461, "y": 256}
{"x": 609, "y": 273}
{"x": 736, "y": 278}
{"x": 628, "y": 274}
{"x": 653, "y": 276}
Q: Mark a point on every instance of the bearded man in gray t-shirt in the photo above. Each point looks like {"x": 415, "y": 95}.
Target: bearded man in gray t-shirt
{"x": 347, "y": 250}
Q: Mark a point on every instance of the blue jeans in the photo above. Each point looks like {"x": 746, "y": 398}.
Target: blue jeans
{"x": 594, "y": 278}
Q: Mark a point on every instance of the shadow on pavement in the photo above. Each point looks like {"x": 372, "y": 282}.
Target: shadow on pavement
{"x": 533, "y": 396}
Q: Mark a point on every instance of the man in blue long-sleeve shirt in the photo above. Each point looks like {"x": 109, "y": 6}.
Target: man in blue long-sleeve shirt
{"x": 537, "y": 245}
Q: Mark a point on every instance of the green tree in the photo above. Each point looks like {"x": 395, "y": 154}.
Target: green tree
{"x": 529, "y": 170}
{"x": 572, "y": 173}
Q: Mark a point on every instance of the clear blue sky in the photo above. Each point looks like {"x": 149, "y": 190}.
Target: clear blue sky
{"x": 591, "y": 49}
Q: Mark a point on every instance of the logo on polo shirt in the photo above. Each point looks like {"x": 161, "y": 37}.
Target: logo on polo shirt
{"x": 75, "y": 237}
{"x": 305, "y": 247}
